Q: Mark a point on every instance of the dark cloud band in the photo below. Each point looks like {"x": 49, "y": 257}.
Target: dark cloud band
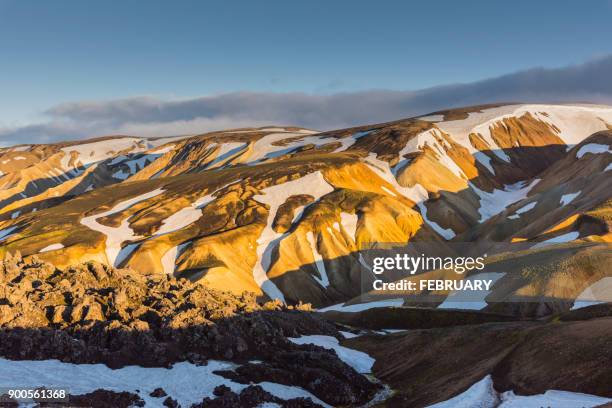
{"x": 588, "y": 82}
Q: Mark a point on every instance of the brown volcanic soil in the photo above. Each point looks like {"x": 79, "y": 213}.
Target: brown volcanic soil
{"x": 432, "y": 365}
{"x": 91, "y": 313}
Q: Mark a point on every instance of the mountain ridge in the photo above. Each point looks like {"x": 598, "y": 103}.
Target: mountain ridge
{"x": 461, "y": 174}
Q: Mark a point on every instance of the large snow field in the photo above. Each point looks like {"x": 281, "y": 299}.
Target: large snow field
{"x": 186, "y": 382}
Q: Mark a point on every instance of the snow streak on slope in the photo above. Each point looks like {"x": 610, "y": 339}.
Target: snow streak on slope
{"x": 359, "y": 360}
{"x": 117, "y": 235}
{"x": 471, "y": 299}
{"x": 599, "y": 292}
{"x": 363, "y": 306}
{"x": 168, "y": 261}
{"x": 274, "y": 196}
{"x": 89, "y": 153}
{"x": 186, "y": 382}
{"x": 522, "y": 210}
{"x": 417, "y": 193}
{"x": 320, "y": 265}
{"x": 568, "y": 198}
{"x": 52, "y": 247}
{"x": 593, "y": 148}
{"x": 226, "y": 151}
{"x": 496, "y": 201}
{"x": 480, "y": 395}
{"x": 483, "y": 395}
{"x": 7, "y": 232}
{"x": 575, "y": 122}
{"x": 433, "y": 139}
{"x": 349, "y": 223}
{"x": 185, "y": 216}
{"x": 266, "y": 148}
{"x": 570, "y": 236}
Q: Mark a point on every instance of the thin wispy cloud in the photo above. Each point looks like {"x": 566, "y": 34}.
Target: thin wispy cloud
{"x": 149, "y": 116}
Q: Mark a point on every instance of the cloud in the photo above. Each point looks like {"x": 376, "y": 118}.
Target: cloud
{"x": 149, "y": 116}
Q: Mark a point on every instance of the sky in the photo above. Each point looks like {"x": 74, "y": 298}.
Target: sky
{"x": 126, "y": 57}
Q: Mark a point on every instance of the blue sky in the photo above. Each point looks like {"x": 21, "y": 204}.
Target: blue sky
{"x": 65, "y": 51}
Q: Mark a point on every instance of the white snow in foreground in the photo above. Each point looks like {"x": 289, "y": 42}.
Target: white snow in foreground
{"x": 568, "y": 198}
{"x": 185, "y": 382}
{"x": 523, "y": 209}
{"x": 599, "y": 292}
{"x": 594, "y": 148}
{"x": 319, "y": 264}
{"x": 496, "y": 201}
{"x": 483, "y": 395}
{"x": 359, "y": 360}
{"x": 348, "y": 335}
{"x": 480, "y": 395}
{"x": 7, "y": 232}
{"x": 363, "y": 306}
{"x": 471, "y": 299}
{"x": 51, "y": 247}
{"x": 570, "y": 236}
{"x": 274, "y": 196}
{"x": 116, "y": 235}
{"x": 608, "y": 167}
{"x": 552, "y": 398}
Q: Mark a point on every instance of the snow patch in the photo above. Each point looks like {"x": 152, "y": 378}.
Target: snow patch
{"x": 349, "y": 223}
{"x": 433, "y": 139}
{"x": 480, "y": 395}
{"x": 575, "y": 122}
{"x": 432, "y": 118}
{"x": 599, "y": 292}
{"x": 570, "y": 236}
{"x": 496, "y": 201}
{"x": 363, "y": 306}
{"x": 552, "y": 398}
{"x": 90, "y": 153}
{"x": 594, "y": 148}
{"x": 169, "y": 259}
{"x": 568, "y": 198}
{"x": 320, "y": 265}
{"x": 483, "y": 395}
{"x": 268, "y": 146}
{"x": 187, "y": 383}
{"x": 359, "y": 360}
{"x": 523, "y": 209}
{"x": 7, "y": 232}
{"x": 52, "y": 247}
{"x": 447, "y": 233}
{"x": 471, "y": 299}
{"x": 116, "y": 235}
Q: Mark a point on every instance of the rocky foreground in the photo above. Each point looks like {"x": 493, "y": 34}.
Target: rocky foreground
{"x": 92, "y": 313}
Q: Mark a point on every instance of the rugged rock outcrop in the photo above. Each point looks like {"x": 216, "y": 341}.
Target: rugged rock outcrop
{"x": 92, "y": 313}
